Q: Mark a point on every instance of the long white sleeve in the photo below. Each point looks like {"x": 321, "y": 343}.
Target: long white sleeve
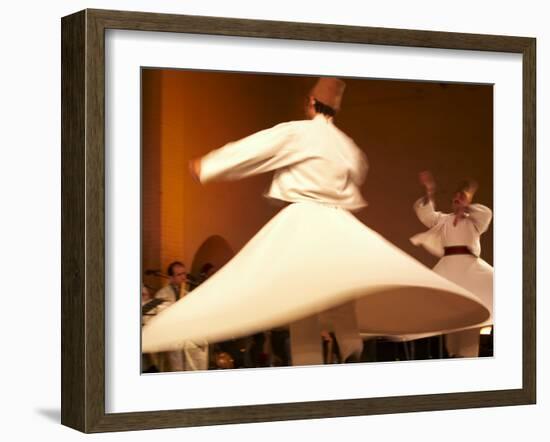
{"x": 426, "y": 212}
{"x": 480, "y": 216}
{"x": 261, "y": 152}
{"x": 312, "y": 159}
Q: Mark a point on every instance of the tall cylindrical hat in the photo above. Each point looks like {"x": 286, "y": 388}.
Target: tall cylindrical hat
{"x": 329, "y": 91}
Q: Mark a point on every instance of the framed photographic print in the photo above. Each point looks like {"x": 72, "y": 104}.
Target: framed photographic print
{"x": 189, "y": 299}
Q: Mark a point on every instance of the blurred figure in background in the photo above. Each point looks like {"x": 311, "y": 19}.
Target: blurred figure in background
{"x": 165, "y": 297}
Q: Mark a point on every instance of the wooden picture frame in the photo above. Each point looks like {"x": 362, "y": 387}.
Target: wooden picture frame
{"x": 83, "y": 220}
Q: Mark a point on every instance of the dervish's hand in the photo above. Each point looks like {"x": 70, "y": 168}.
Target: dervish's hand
{"x": 195, "y": 169}
{"x": 427, "y": 180}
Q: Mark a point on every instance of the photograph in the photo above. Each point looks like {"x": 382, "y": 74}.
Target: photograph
{"x": 293, "y": 220}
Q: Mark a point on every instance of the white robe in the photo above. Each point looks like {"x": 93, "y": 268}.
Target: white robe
{"x": 314, "y": 255}
{"x": 313, "y": 160}
{"x": 468, "y": 271}
{"x": 442, "y": 233}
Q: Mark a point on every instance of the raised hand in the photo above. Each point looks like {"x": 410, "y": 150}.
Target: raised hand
{"x": 427, "y": 180}
{"x": 195, "y": 169}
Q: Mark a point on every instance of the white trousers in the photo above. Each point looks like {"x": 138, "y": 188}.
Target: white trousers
{"x": 305, "y": 335}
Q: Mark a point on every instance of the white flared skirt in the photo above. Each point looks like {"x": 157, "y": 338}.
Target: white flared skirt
{"x": 305, "y": 260}
{"x": 470, "y": 272}
{"x": 474, "y": 274}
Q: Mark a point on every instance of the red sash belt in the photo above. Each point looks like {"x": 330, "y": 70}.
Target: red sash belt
{"x": 458, "y": 250}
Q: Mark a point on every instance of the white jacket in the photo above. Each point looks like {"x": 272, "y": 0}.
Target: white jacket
{"x": 313, "y": 161}
{"x": 443, "y": 233}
